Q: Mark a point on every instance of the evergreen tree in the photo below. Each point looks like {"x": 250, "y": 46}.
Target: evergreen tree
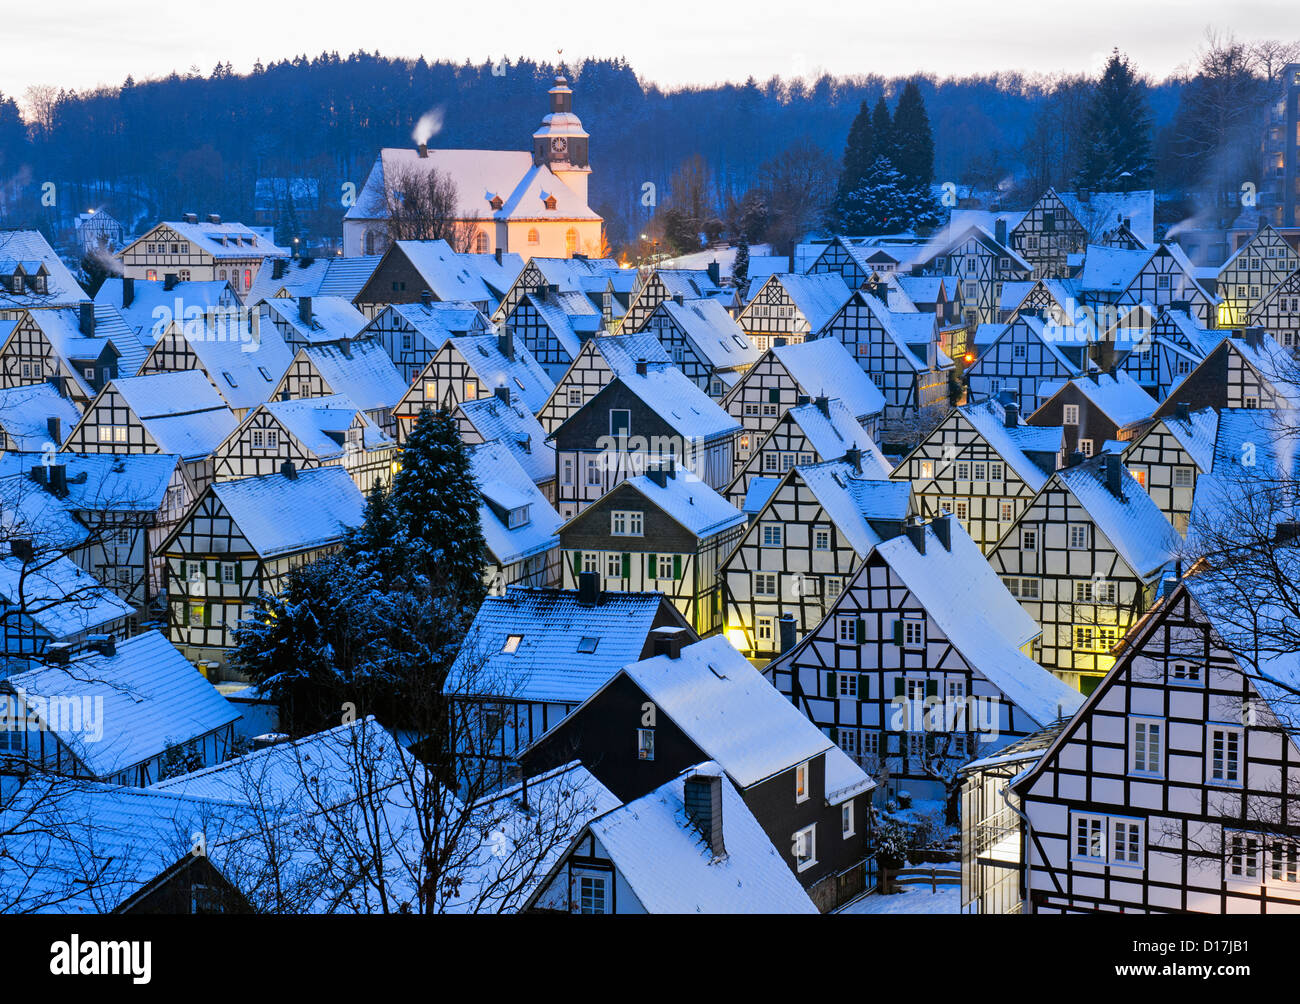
{"x": 857, "y": 158}
{"x": 882, "y": 133}
{"x": 879, "y": 204}
{"x": 740, "y": 270}
{"x": 1117, "y": 132}
{"x": 913, "y": 141}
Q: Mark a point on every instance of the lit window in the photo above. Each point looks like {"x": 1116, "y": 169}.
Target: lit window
{"x": 645, "y": 744}
{"x": 512, "y": 644}
{"x": 801, "y": 782}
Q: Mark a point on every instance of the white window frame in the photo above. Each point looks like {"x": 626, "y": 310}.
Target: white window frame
{"x": 846, "y": 820}
{"x": 1231, "y": 765}
{"x": 802, "y": 782}
{"x": 804, "y": 846}
{"x": 626, "y": 523}
{"x": 1140, "y": 729}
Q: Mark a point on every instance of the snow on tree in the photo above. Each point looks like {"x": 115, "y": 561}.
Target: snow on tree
{"x": 1117, "y": 132}
{"x": 878, "y": 204}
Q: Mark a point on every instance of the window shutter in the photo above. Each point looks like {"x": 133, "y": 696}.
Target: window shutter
{"x": 653, "y": 571}
{"x": 899, "y": 687}
{"x": 860, "y": 632}
{"x": 898, "y": 632}
{"x": 185, "y": 572}
{"x": 577, "y": 563}
{"x": 207, "y": 615}
{"x": 239, "y": 572}
{"x": 774, "y": 395}
{"x": 627, "y": 565}
{"x": 835, "y": 735}
{"x": 864, "y": 686}
{"x": 677, "y": 566}
{"x": 830, "y": 684}
{"x": 931, "y": 688}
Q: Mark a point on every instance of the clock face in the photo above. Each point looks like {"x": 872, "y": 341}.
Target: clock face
{"x": 559, "y": 144}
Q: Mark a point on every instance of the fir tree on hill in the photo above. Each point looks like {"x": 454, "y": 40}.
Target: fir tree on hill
{"x": 857, "y": 159}
{"x": 878, "y": 204}
{"x": 1117, "y": 132}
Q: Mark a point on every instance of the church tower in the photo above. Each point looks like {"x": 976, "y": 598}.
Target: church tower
{"x": 561, "y": 142}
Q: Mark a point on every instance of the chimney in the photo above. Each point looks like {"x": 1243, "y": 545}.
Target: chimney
{"x": 702, "y": 799}
{"x": 40, "y": 475}
{"x": 1000, "y": 231}
{"x": 426, "y": 298}
{"x": 786, "y": 631}
{"x": 59, "y": 479}
{"x": 290, "y": 470}
{"x": 86, "y": 317}
{"x": 641, "y": 367}
{"x": 304, "y": 310}
{"x": 1112, "y": 462}
{"x": 1254, "y": 337}
{"x": 503, "y": 394}
{"x": 54, "y": 427}
{"x": 942, "y": 526}
{"x": 800, "y": 400}
{"x": 823, "y": 404}
{"x": 658, "y": 475}
{"x": 104, "y": 644}
{"x": 214, "y": 217}
{"x": 917, "y": 271}
{"x": 498, "y": 252}
{"x": 678, "y": 299}
{"x": 58, "y": 654}
{"x": 506, "y": 342}
{"x": 667, "y": 641}
{"x": 345, "y": 346}
{"x": 422, "y": 150}
{"x": 853, "y": 456}
{"x": 778, "y": 342}
{"x": 1011, "y": 414}
{"x": 1183, "y": 411}
{"x": 916, "y": 534}
{"x": 1075, "y": 459}
{"x": 128, "y": 291}
{"x": 191, "y": 217}
{"x": 278, "y": 267}
{"x": 588, "y": 588}
{"x": 715, "y": 272}
{"x": 21, "y": 548}
{"x": 169, "y": 281}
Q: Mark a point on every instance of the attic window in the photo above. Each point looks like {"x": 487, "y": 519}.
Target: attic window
{"x": 229, "y": 379}
{"x": 518, "y": 517}
{"x": 512, "y": 643}
{"x": 265, "y": 375}
{"x": 550, "y": 201}
{"x": 588, "y": 645}
{"x": 495, "y": 202}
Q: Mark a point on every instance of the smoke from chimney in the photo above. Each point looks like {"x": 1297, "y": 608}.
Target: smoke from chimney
{"x": 429, "y": 126}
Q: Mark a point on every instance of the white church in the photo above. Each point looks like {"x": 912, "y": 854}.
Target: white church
{"x": 533, "y": 204}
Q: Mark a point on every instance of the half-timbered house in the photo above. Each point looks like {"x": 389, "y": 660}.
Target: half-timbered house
{"x": 1168, "y": 350}
{"x": 1094, "y": 410}
{"x": 201, "y": 251}
{"x": 910, "y": 375}
{"x": 922, "y": 663}
{"x": 708, "y": 703}
{"x": 1247, "y": 369}
{"x": 503, "y": 419}
{"x": 983, "y": 465}
{"x": 333, "y": 276}
{"x": 306, "y": 320}
{"x": 704, "y": 341}
{"x": 1027, "y": 353}
{"x": 1170, "y": 456}
{"x": 811, "y": 432}
{"x": 1084, "y": 559}
{"x": 659, "y": 284}
{"x": 361, "y": 371}
{"x": 33, "y": 275}
{"x": 1251, "y": 273}
{"x": 593, "y": 368}
{"x": 412, "y": 332}
{"x": 469, "y": 368}
{"x": 791, "y": 307}
{"x": 855, "y": 261}
{"x": 663, "y": 530}
{"x": 175, "y": 412}
{"x": 410, "y": 269}
{"x": 1278, "y": 311}
{"x": 308, "y": 433}
{"x": 798, "y": 551}
{"x": 240, "y": 539}
{"x": 649, "y": 413}
{"x": 553, "y": 325}
{"x": 601, "y": 280}
{"x": 980, "y": 262}
{"x": 1158, "y": 278}
{"x": 786, "y": 375}
{"x": 150, "y": 308}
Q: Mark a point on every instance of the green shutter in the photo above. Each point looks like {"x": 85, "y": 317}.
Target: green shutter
{"x": 864, "y": 686}
{"x": 207, "y": 613}
{"x": 239, "y": 573}
{"x": 627, "y": 565}
{"x": 184, "y": 569}
{"x": 931, "y": 688}
{"x": 774, "y": 395}
{"x": 577, "y": 565}
{"x": 899, "y": 687}
{"x": 830, "y": 684}
{"x": 677, "y": 566}
{"x": 652, "y": 569}
{"x": 835, "y": 735}
{"x": 860, "y": 632}
{"x": 898, "y": 632}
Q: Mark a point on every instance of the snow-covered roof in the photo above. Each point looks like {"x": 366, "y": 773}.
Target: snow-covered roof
{"x": 515, "y": 427}
{"x": 835, "y": 431}
{"x": 30, "y": 246}
{"x": 62, "y": 328}
{"x": 332, "y": 317}
{"x": 963, "y": 595}
{"x": 1132, "y": 522}
{"x": 520, "y": 372}
{"x": 153, "y": 698}
{"x": 1015, "y": 444}
{"x": 818, "y": 297}
{"x": 320, "y": 424}
{"x": 823, "y": 367}
{"x": 153, "y": 307}
{"x": 670, "y": 868}
{"x": 621, "y": 352}
{"x": 726, "y": 708}
{"x": 690, "y": 502}
{"x": 181, "y": 411}
{"x": 25, "y": 414}
{"x": 98, "y": 482}
{"x": 1104, "y": 211}
{"x": 1120, "y": 398}
{"x": 569, "y": 314}
{"x": 1111, "y": 270}
{"x": 566, "y": 650}
{"x": 362, "y": 370}
{"x": 852, "y": 502}
{"x": 244, "y": 369}
{"x": 58, "y": 596}
{"x": 757, "y": 494}
{"x": 506, "y": 486}
{"x": 337, "y": 276}
{"x": 451, "y": 275}
{"x": 227, "y": 239}
{"x": 437, "y": 320}
{"x": 679, "y": 402}
{"x": 713, "y": 331}
{"x": 280, "y": 515}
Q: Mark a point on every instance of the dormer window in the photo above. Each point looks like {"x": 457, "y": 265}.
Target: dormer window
{"x": 17, "y": 284}
{"x": 549, "y": 202}
{"x": 518, "y": 517}
{"x": 495, "y": 202}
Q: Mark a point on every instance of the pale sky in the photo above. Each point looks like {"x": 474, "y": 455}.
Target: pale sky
{"x": 82, "y": 43}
